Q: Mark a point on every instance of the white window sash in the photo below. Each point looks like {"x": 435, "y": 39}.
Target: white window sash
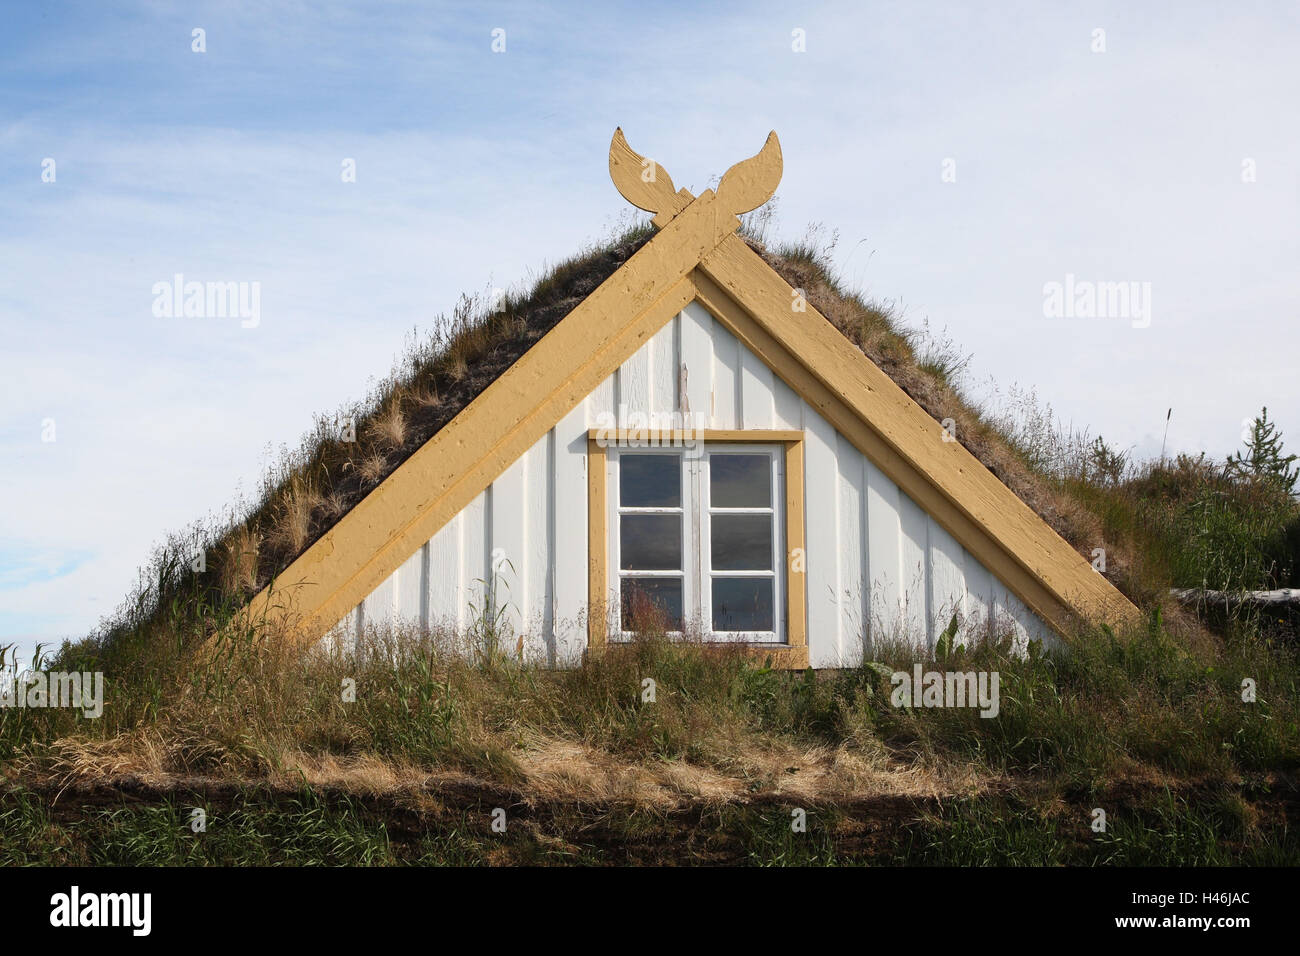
{"x": 776, "y": 459}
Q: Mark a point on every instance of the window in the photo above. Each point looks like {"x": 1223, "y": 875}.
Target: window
{"x": 698, "y": 535}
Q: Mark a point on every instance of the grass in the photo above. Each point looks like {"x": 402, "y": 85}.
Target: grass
{"x": 312, "y": 827}
{"x": 1138, "y": 722}
{"x": 1161, "y": 829}
{"x": 1109, "y": 706}
{"x": 300, "y": 830}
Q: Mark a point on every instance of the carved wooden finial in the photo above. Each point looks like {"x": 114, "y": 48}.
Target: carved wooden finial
{"x": 752, "y": 182}
{"x": 647, "y": 185}
{"x": 642, "y": 182}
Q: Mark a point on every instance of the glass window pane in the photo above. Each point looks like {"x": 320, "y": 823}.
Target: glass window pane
{"x": 741, "y": 542}
{"x": 650, "y": 481}
{"x": 742, "y": 604}
{"x": 652, "y": 602}
{"x": 650, "y": 542}
{"x": 740, "y": 481}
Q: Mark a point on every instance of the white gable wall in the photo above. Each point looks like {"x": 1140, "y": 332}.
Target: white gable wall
{"x": 877, "y": 565}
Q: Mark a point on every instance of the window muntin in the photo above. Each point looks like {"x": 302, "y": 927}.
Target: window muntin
{"x": 699, "y": 535}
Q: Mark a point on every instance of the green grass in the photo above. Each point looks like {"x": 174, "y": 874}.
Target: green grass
{"x": 1193, "y": 525}
{"x": 302, "y": 831}
{"x": 312, "y": 829}
{"x": 1164, "y": 830}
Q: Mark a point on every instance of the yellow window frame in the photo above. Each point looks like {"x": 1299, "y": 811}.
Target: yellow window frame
{"x": 793, "y": 654}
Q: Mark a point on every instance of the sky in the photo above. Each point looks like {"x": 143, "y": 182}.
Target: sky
{"x": 971, "y": 158}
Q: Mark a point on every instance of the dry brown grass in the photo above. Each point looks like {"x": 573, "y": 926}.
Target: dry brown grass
{"x": 389, "y": 427}
{"x": 373, "y": 468}
{"x": 551, "y": 770}
{"x": 457, "y": 368}
{"x": 293, "y": 520}
{"x": 426, "y": 395}
{"x": 333, "y": 506}
{"x": 239, "y": 561}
